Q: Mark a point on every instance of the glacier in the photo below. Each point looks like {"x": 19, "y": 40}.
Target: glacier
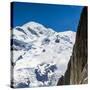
{"x": 40, "y": 54}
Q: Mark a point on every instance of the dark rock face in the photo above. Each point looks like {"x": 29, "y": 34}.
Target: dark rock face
{"x": 77, "y": 71}
{"x": 61, "y": 81}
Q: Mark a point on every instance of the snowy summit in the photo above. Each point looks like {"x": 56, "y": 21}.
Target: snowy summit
{"x": 40, "y": 54}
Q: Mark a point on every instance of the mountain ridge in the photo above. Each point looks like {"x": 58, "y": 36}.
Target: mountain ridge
{"x": 35, "y": 46}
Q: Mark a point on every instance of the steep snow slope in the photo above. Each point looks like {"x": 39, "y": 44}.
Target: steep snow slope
{"x": 40, "y": 54}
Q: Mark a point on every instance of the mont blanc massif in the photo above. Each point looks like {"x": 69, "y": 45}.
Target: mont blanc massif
{"x": 40, "y": 54}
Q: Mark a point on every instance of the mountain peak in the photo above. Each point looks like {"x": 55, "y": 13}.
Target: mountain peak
{"x": 35, "y": 47}
{"x": 33, "y": 25}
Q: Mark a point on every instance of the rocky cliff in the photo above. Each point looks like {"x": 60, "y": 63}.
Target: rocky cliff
{"x": 77, "y": 71}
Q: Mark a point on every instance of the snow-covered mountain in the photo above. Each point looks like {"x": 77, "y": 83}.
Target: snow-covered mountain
{"x": 40, "y": 54}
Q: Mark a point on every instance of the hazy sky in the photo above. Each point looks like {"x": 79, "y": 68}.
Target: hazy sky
{"x": 57, "y": 17}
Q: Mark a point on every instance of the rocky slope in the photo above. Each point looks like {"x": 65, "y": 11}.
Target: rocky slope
{"x": 77, "y": 71}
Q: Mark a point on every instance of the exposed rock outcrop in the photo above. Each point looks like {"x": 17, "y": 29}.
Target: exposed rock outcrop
{"x": 77, "y": 71}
